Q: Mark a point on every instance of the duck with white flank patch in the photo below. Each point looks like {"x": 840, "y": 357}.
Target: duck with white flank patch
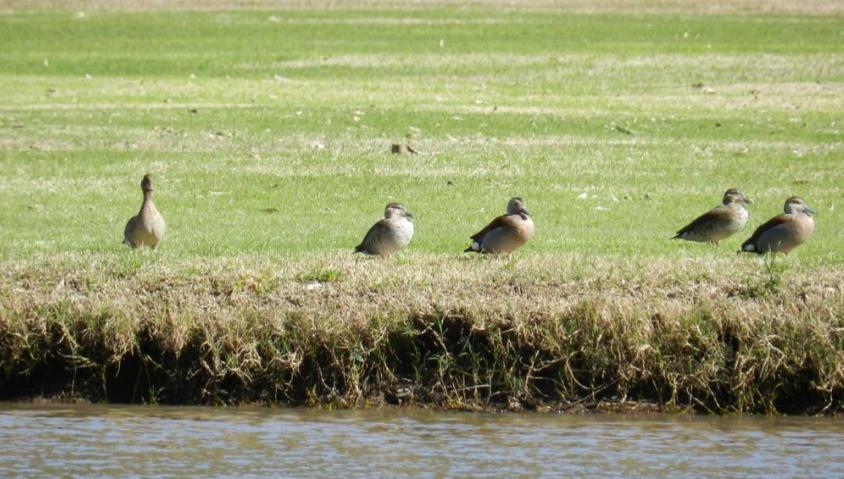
{"x": 784, "y": 232}
{"x": 507, "y": 232}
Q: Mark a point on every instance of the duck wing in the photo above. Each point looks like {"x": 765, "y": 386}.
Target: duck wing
{"x": 764, "y": 228}
{"x": 500, "y": 222}
{"x": 373, "y": 238}
{"x": 129, "y": 230}
{"x": 713, "y": 219}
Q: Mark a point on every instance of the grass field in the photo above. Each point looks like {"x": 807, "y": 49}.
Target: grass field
{"x": 268, "y": 130}
{"x": 295, "y": 110}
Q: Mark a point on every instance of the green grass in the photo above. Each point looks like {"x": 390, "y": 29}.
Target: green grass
{"x": 501, "y": 103}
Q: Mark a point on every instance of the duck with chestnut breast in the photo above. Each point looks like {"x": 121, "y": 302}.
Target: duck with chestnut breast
{"x": 784, "y": 232}
{"x": 505, "y": 233}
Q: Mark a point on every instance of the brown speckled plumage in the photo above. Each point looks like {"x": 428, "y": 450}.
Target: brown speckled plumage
{"x": 390, "y": 234}
{"x": 720, "y": 222}
{"x": 147, "y": 228}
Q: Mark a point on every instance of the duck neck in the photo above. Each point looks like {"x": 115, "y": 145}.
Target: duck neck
{"x": 147, "y": 204}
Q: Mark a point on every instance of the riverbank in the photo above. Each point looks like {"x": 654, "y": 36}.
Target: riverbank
{"x": 533, "y": 332}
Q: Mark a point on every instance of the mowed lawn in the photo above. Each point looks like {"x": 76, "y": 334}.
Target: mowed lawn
{"x": 269, "y": 130}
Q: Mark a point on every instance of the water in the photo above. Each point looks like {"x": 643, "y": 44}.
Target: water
{"x": 136, "y": 441}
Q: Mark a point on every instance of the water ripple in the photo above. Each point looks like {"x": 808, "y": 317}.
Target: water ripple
{"x": 133, "y": 441}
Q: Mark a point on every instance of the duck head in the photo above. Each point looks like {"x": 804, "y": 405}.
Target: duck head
{"x": 397, "y": 210}
{"x": 796, "y": 204}
{"x": 735, "y": 196}
{"x": 516, "y": 206}
{"x": 146, "y": 183}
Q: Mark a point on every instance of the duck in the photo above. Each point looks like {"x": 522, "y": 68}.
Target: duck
{"x": 505, "y": 233}
{"x": 147, "y": 228}
{"x": 720, "y": 222}
{"x": 389, "y": 235}
{"x": 784, "y": 232}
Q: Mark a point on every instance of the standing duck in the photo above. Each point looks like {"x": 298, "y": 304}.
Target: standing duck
{"x": 720, "y": 222}
{"x": 146, "y": 228}
{"x": 506, "y": 233}
{"x": 784, "y": 232}
{"x": 390, "y": 234}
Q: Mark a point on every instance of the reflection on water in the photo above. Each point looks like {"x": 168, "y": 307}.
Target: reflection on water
{"x": 88, "y": 441}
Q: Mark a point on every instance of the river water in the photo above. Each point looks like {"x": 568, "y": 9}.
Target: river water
{"x": 139, "y": 441}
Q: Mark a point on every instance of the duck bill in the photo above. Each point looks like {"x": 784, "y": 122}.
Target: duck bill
{"x": 809, "y": 210}
{"x": 525, "y": 211}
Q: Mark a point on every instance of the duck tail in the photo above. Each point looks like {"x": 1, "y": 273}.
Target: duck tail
{"x": 475, "y": 247}
{"x": 747, "y": 247}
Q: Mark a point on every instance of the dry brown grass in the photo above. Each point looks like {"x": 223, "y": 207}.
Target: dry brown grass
{"x": 537, "y": 332}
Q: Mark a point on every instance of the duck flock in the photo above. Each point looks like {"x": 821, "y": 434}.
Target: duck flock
{"x": 508, "y": 232}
